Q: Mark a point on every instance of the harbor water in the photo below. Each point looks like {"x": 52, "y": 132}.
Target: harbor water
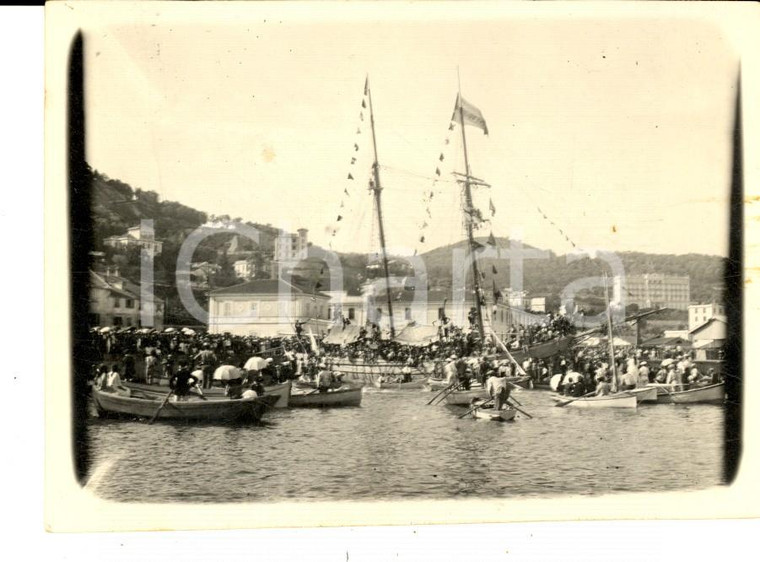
{"x": 396, "y": 447}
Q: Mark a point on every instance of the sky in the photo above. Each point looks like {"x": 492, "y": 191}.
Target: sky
{"x": 616, "y": 130}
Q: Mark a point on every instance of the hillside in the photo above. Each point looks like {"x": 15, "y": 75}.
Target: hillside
{"x": 116, "y": 206}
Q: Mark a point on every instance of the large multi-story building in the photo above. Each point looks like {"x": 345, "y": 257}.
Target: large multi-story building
{"x": 137, "y": 236}
{"x": 268, "y": 307}
{"x": 653, "y": 290}
{"x": 291, "y": 247}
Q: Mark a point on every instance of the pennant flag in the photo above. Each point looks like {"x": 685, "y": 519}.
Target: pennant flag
{"x": 366, "y": 85}
{"x": 313, "y": 341}
{"x": 431, "y": 194}
{"x": 493, "y": 269}
{"x": 358, "y": 131}
{"x": 491, "y": 207}
{"x": 477, "y": 245}
{"x": 341, "y": 204}
{"x": 364, "y": 103}
{"x": 422, "y": 239}
{"x": 471, "y": 114}
{"x": 428, "y": 213}
{"x": 451, "y": 127}
{"x": 491, "y": 239}
{"x": 424, "y": 224}
{"x": 361, "y": 116}
{"x": 322, "y": 271}
{"x": 345, "y": 190}
{"x": 437, "y": 171}
{"x": 356, "y": 147}
{"x": 340, "y": 218}
{"x": 318, "y": 286}
{"x": 496, "y": 291}
{"x": 441, "y": 157}
{"x": 446, "y": 141}
{"x": 353, "y": 160}
{"x": 350, "y": 176}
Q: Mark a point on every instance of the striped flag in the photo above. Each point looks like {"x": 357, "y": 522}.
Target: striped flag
{"x": 472, "y": 115}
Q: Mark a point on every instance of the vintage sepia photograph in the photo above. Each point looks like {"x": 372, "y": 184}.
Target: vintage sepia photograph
{"x": 434, "y": 255}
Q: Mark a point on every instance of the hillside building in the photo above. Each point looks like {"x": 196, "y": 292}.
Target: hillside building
{"x": 116, "y": 301}
{"x": 701, "y": 313}
{"x": 652, "y": 290}
{"x": 137, "y": 236}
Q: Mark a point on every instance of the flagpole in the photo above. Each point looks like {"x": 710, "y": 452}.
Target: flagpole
{"x": 376, "y": 189}
{"x": 469, "y": 207}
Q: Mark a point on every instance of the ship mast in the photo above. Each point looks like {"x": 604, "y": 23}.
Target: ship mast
{"x": 376, "y": 189}
{"x": 609, "y": 334}
{"x": 469, "y": 209}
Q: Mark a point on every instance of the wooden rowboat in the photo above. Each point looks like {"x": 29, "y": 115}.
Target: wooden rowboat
{"x": 488, "y": 412}
{"x": 411, "y": 385}
{"x": 249, "y": 410}
{"x": 712, "y": 394}
{"x": 282, "y": 391}
{"x": 331, "y": 399}
{"x": 619, "y": 400}
{"x": 436, "y": 384}
{"x": 465, "y": 397}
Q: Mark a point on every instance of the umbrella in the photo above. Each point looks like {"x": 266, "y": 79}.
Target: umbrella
{"x": 188, "y": 331}
{"x": 169, "y": 331}
{"x": 227, "y": 373}
{"x": 143, "y": 331}
{"x": 666, "y": 362}
{"x": 255, "y": 364}
{"x": 104, "y": 330}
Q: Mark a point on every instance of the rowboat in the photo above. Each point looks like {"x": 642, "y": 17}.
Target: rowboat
{"x": 282, "y": 391}
{"x": 619, "y": 400}
{"x": 465, "y": 397}
{"x": 488, "y": 412}
{"x": 368, "y": 372}
{"x": 248, "y": 410}
{"x": 436, "y": 384}
{"x": 350, "y": 396}
{"x": 411, "y": 385}
{"x": 712, "y": 394}
{"x": 523, "y": 381}
{"x": 644, "y": 394}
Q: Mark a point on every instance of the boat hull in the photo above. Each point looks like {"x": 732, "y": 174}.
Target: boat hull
{"x": 248, "y": 410}
{"x": 345, "y": 397}
{"x": 413, "y": 385}
{"x": 436, "y": 384}
{"x": 490, "y": 414}
{"x": 282, "y": 391}
{"x": 644, "y": 394}
{"x": 369, "y": 372}
{"x": 713, "y": 394}
{"x": 465, "y": 397}
{"x": 620, "y": 400}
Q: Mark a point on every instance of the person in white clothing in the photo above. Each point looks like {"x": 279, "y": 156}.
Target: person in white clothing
{"x": 498, "y": 387}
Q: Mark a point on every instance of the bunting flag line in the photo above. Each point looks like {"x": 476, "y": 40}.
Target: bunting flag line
{"x": 361, "y": 116}
{"x": 441, "y": 157}
{"x": 340, "y": 218}
{"x": 422, "y": 239}
{"x": 437, "y": 171}
{"x": 345, "y": 190}
{"x": 491, "y": 207}
{"x": 356, "y": 147}
{"x": 350, "y": 177}
{"x": 366, "y": 85}
{"x": 451, "y": 127}
{"x": 470, "y": 113}
{"x": 364, "y": 104}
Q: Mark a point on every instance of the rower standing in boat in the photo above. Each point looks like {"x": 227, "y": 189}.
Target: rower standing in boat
{"x": 183, "y": 382}
{"x": 499, "y": 389}
{"x": 207, "y": 359}
{"x": 324, "y": 379}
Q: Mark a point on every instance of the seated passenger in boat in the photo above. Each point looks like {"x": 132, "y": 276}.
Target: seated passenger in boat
{"x": 675, "y": 378}
{"x": 101, "y": 377}
{"x": 645, "y": 376}
{"x": 603, "y": 387}
{"x": 255, "y": 389}
{"x": 629, "y": 380}
{"x": 113, "y": 383}
{"x": 324, "y": 380}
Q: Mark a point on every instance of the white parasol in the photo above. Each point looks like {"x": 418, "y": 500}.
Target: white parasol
{"x": 188, "y": 331}
{"x": 104, "y": 330}
{"x": 255, "y": 364}
{"x": 666, "y": 362}
{"x": 227, "y": 373}
{"x": 169, "y": 331}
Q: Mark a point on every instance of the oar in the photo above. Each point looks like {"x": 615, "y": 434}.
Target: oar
{"x": 566, "y": 402}
{"x": 161, "y": 407}
{"x": 450, "y": 389}
{"x": 200, "y": 392}
{"x": 523, "y": 412}
{"x": 439, "y": 393}
{"x": 476, "y": 407}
